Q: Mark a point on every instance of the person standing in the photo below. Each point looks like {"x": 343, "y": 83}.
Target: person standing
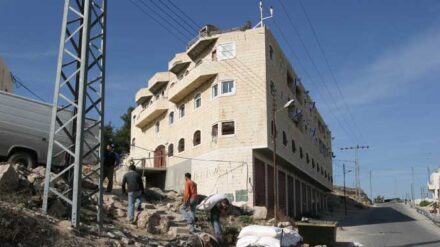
{"x": 188, "y": 209}
{"x": 135, "y": 189}
{"x": 110, "y": 161}
{"x": 221, "y": 208}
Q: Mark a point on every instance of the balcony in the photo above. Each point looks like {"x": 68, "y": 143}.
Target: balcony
{"x": 199, "y": 75}
{"x": 143, "y": 95}
{"x": 200, "y": 44}
{"x": 158, "y": 80}
{"x": 180, "y": 62}
{"x": 154, "y": 110}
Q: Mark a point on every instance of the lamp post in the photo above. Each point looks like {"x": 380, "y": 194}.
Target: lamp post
{"x": 274, "y": 139}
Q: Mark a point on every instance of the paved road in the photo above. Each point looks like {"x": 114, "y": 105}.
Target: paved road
{"x": 390, "y": 224}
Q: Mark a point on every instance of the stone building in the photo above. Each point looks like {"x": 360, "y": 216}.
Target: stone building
{"x": 5, "y": 78}
{"x": 211, "y": 114}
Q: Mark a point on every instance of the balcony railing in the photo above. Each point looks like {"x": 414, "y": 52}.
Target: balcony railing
{"x": 143, "y": 95}
{"x": 180, "y": 62}
{"x": 151, "y": 112}
{"x": 195, "y": 78}
{"x": 158, "y": 80}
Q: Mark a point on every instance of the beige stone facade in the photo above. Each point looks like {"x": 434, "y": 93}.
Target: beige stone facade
{"x": 5, "y": 78}
{"x": 210, "y": 114}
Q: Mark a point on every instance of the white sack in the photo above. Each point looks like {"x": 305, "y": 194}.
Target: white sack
{"x": 260, "y": 231}
{"x": 209, "y": 202}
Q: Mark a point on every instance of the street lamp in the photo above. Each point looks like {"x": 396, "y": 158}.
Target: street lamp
{"x": 274, "y": 139}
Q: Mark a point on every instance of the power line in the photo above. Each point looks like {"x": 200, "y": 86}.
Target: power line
{"x": 315, "y": 66}
{"x": 16, "y": 79}
{"x": 196, "y": 29}
{"x": 187, "y": 16}
{"x": 172, "y": 18}
{"x": 350, "y": 135}
{"x": 158, "y": 22}
{"x": 329, "y": 67}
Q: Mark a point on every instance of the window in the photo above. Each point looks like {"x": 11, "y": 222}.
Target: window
{"x": 214, "y": 132}
{"x": 181, "y": 110}
{"x": 226, "y": 51}
{"x": 170, "y": 150}
{"x": 313, "y": 163}
{"x": 181, "y": 146}
{"x": 270, "y": 52}
{"x": 301, "y": 155}
{"x": 197, "y": 101}
{"x": 228, "y": 87}
{"x": 293, "y": 146}
{"x": 214, "y": 91}
{"x": 307, "y": 158}
{"x": 228, "y": 128}
{"x": 171, "y": 118}
{"x": 284, "y": 138}
{"x": 197, "y": 138}
{"x": 317, "y": 166}
{"x": 157, "y": 126}
{"x": 133, "y": 143}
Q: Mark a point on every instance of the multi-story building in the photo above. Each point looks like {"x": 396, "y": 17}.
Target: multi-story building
{"x": 210, "y": 114}
{"x": 5, "y": 78}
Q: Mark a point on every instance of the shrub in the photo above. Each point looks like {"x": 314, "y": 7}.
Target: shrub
{"x": 424, "y": 203}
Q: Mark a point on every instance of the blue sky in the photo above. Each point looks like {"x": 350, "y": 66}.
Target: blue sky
{"x": 384, "y": 54}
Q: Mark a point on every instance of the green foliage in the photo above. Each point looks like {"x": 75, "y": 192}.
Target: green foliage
{"x": 424, "y": 203}
{"x": 120, "y": 137}
{"x": 379, "y": 199}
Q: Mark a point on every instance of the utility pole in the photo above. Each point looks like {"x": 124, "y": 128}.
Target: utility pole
{"x": 371, "y": 189}
{"x": 77, "y": 121}
{"x": 345, "y": 196}
{"x": 357, "y": 168}
{"x": 274, "y": 138}
{"x": 412, "y": 185}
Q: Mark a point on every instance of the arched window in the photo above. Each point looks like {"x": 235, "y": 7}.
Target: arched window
{"x": 171, "y": 118}
{"x": 301, "y": 155}
{"x": 313, "y": 163}
{"x": 307, "y": 158}
{"x": 197, "y": 138}
{"x": 159, "y": 157}
{"x": 157, "y": 126}
{"x": 181, "y": 146}
{"x": 293, "y": 146}
{"x": 284, "y": 138}
{"x": 170, "y": 150}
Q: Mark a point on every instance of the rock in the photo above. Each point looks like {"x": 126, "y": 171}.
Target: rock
{"x": 271, "y": 221}
{"x": 175, "y": 231}
{"x": 65, "y": 224}
{"x": 164, "y": 224}
{"x": 260, "y": 213}
{"x": 8, "y": 178}
{"x": 120, "y": 213}
{"x": 127, "y": 241}
{"x": 111, "y": 235}
{"x": 148, "y": 206}
{"x": 149, "y": 220}
{"x": 57, "y": 209}
{"x": 39, "y": 171}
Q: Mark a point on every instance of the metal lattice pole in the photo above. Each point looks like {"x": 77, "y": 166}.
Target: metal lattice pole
{"x": 78, "y": 108}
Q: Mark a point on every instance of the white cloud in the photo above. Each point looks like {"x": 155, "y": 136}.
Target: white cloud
{"x": 393, "y": 72}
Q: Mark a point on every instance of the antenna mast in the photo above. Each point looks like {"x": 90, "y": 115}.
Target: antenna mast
{"x": 262, "y": 18}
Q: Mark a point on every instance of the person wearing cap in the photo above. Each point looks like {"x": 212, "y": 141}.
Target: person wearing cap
{"x": 110, "y": 161}
{"x": 188, "y": 208}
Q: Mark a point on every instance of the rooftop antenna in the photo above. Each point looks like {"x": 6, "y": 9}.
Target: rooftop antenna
{"x": 261, "y": 23}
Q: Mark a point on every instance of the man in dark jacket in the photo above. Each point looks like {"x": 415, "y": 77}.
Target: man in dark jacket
{"x": 110, "y": 161}
{"x": 135, "y": 189}
{"x": 221, "y": 208}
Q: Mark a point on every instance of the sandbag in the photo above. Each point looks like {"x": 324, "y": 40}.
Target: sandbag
{"x": 209, "y": 202}
{"x": 260, "y": 231}
{"x": 251, "y": 241}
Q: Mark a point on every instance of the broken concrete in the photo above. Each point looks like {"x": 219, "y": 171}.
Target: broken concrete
{"x": 260, "y": 213}
{"x": 8, "y": 178}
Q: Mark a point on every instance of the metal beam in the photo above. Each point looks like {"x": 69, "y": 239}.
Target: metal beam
{"x": 78, "y": 105}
